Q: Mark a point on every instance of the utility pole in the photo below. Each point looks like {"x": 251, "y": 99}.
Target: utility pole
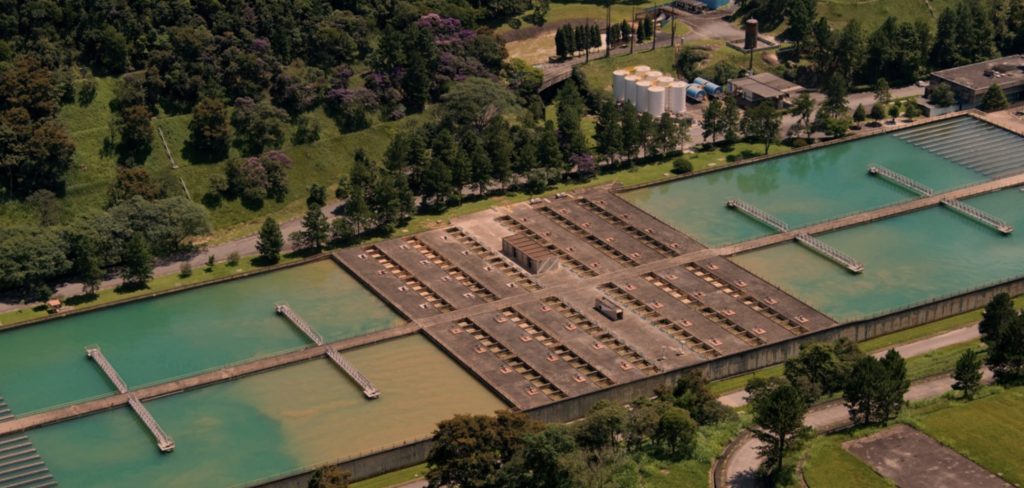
{"x": 586, "y": 28}
{"x": 608, "y": 30}
{"x": 632, "y": 32}
{"x": 673, "y": 30}
{"x": 654, "y": 33}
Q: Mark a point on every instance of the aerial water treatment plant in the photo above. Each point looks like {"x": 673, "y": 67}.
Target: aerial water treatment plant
{"x": 547, "y": 307}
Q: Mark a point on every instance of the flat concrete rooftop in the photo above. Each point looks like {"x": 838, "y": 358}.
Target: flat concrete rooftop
{"x": 538, "y": 339}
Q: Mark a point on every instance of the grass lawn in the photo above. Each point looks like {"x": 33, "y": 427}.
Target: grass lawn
{"x": 162, "y": 283}
{"x": 93, "y": 171}
{"x": 991, "y": 440}
{"x": 591, "y": 9}
{"x": 827, "y": 464}
{"x": 988, "y": 431}
{"x": 871, "y": 13}
{"x": 393, "y": 478}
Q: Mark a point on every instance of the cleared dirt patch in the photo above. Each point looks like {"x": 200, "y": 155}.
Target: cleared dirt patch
{"x": 912, "y": 459}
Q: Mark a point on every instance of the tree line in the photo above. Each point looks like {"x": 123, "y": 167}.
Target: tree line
{"x": 570, "y": 39}
{"x": 606, "y": 448}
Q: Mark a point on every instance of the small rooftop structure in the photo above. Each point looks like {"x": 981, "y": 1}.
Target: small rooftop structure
{"x": 972, "y": 81}
{"x": 528, "y": 253}
{"x": 608, "y": 308}
{"x": 757, "y": 88}
{"x": 54, "y": 305}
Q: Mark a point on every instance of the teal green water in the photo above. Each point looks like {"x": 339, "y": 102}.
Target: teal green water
{"x": 801, "y": 189}
{"x": 908, "y": 259}
{"x": 270, "y": 424}
{"x": 151, "y": 340}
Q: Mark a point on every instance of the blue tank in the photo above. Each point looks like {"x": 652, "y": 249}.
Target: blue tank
{"x": 695, "y": 92}
{"x": 700, "y": 81}
{"x": 712, "y": 89}
{"x": 714, "y": 4}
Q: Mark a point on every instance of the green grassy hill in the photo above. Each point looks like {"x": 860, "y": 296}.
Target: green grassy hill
{"x": 93, "y": 171}
{"x": 871, "y": 13}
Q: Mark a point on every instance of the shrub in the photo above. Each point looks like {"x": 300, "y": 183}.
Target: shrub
{"x": 681, "y": 166}
{"x": 186, "y": 270}
{"x": 233, "y": 258}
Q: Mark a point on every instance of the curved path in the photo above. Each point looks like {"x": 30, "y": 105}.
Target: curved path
{"x": 742, "y": 460}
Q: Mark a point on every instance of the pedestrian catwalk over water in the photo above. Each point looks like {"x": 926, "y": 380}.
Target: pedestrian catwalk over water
{"x": 951, "y": 203}
{"x": 804, "y": 238}
{"x": 163, "y": 441}
{"x": 368, "y": 389}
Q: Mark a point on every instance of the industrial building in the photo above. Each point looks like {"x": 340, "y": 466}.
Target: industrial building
{"x": 754, "y": 89}
{"x": 649, "y": 90}
{"x": 971, "y": 82}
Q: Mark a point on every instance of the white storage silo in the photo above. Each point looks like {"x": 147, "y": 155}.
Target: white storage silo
{"x": 619, "y": 84}
{"x": 665, "y": 81}
{"x": 677, "y": 97}
{"x": 642, "y": 89}
{"x": 630, "y": 93}
{"x": 641, "y": 71}
{"x": 656, "y": 101}
{"x": 653, "y": 75}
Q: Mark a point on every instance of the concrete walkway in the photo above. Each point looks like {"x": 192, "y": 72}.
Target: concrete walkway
{"x": 743, "y": 461}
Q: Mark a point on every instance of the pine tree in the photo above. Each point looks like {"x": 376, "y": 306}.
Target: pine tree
{"x": 778, "y": 411}
{"x": 712, "y": 121}
{"x": 860, "y": 114}
{"x": 548, "y": 152}
{"x": 560, "y": 43}
{"x": 731, "y": 121}
{"x": 608, "y": 131}
{"x": 994, "y": 99}
{"x": 315, "y": 230}
{"x": 968, "y": 373}
{"x": 631, "y": 138}
{"x": 270, "y": 241}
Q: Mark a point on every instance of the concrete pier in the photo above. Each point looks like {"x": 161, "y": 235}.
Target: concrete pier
{"x": 369, "y": 390}
{"x": 163, "y": 441}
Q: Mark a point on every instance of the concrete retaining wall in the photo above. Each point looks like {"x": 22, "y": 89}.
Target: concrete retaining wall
{"x": 723, "y": 367}
{"x": 768, "y": 355}
{"x": 365, "y": 466}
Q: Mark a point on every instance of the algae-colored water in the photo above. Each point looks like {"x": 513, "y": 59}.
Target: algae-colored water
{"x": 266, "y": 425}
{"x": 801, "y": 189}
{"x": 908, "y": 259}
{"x": 151, "y": 340}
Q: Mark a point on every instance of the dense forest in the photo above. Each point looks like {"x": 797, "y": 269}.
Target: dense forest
{"x": 243, "y": 69}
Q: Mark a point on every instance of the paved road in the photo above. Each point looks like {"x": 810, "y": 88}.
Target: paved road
{"x": 743, "y": 462}
{"x": 245, "y": 246}
{"x": 738, "y": 398}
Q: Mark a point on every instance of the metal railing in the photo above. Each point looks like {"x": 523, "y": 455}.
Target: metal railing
{"x": 901, "y": 180}
{"x": 163, "y": 441}
{"x": 368, "y": 389}
{"x": 830, "y": 252}
{"x": 978, "y": 215}
{"x": 758, "y": 214}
